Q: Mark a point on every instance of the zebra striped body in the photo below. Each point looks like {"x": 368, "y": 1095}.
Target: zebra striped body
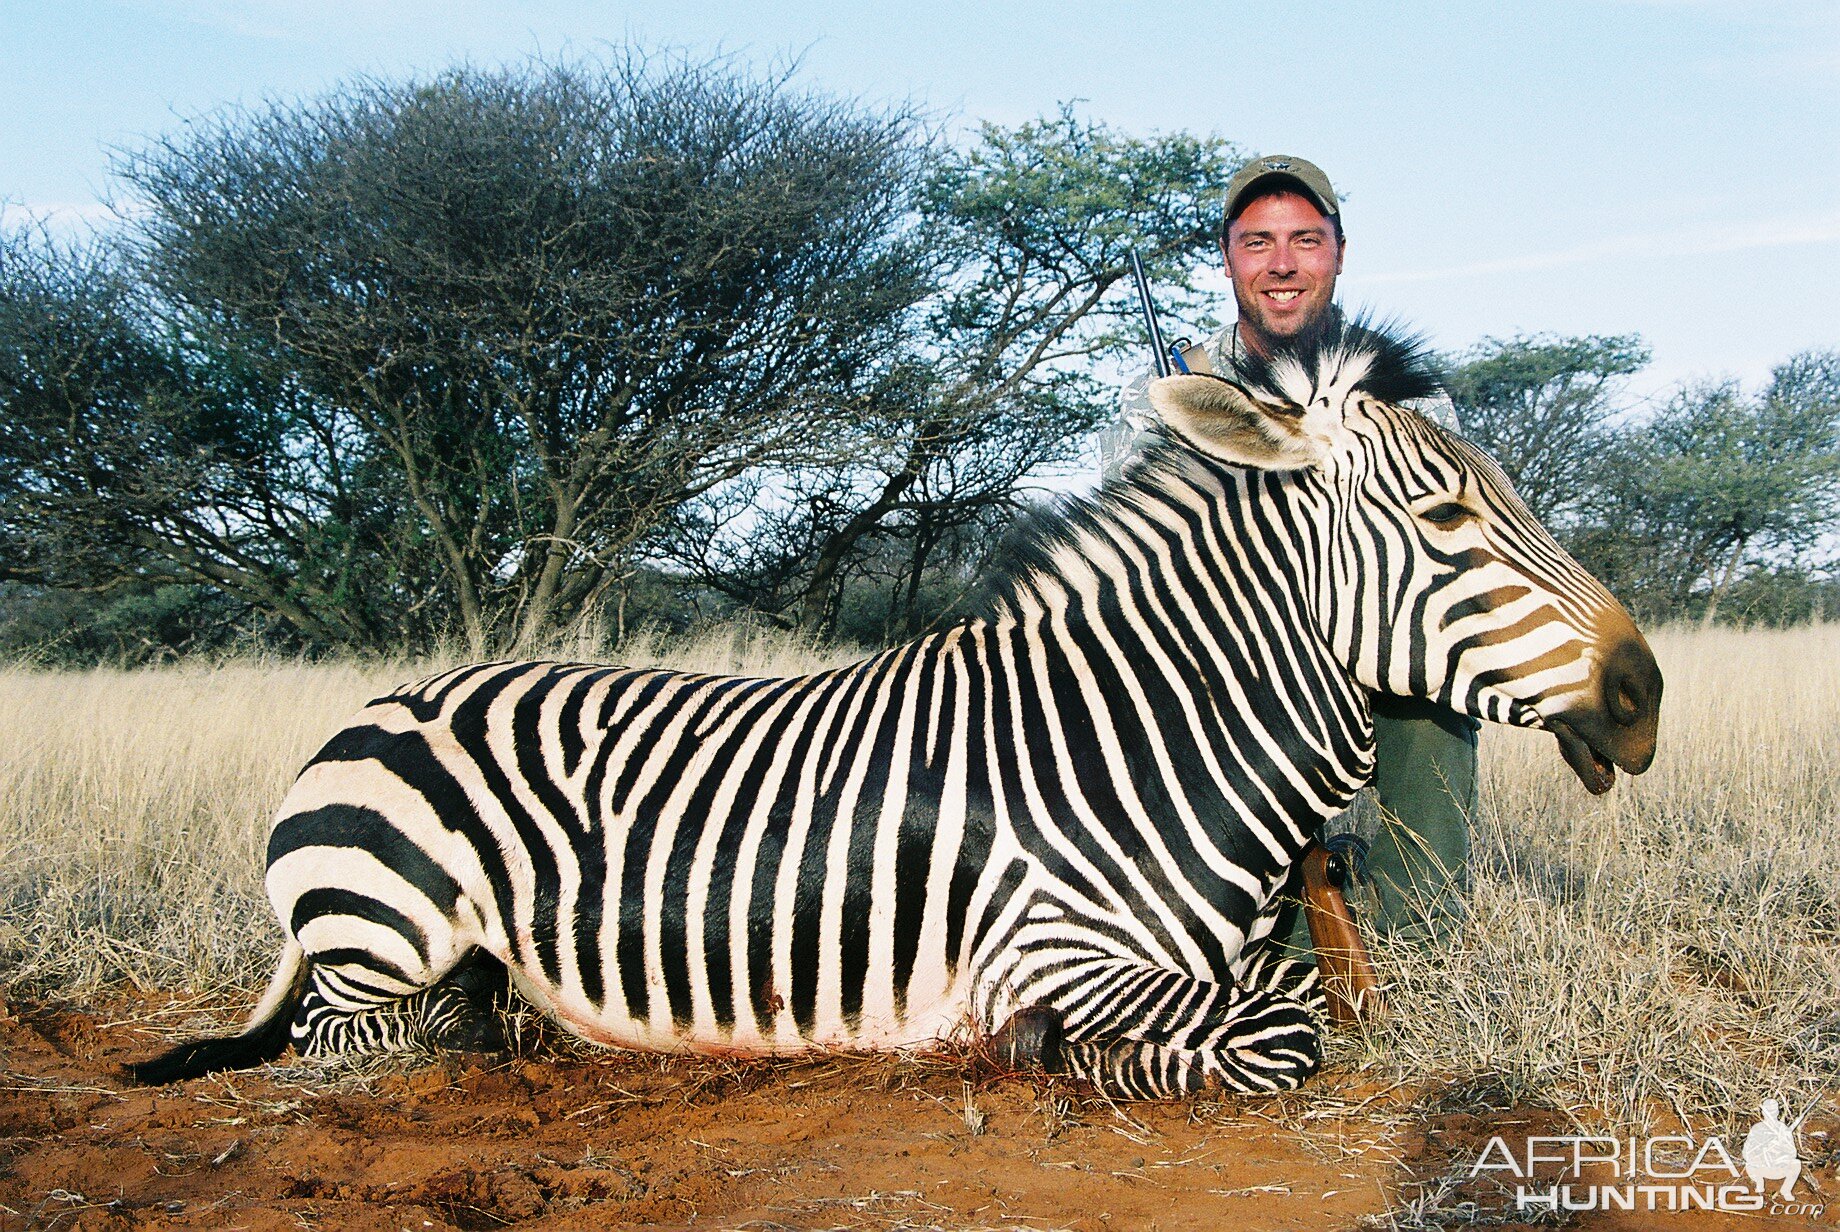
{"x": 671, "y": 860}
{"x": 1082, "y": 803}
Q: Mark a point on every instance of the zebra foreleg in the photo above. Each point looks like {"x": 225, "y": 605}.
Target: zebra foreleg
{"x": 1270, "y": 1044}
{"x": 1145, "y": 1032}
{"x": 341, "y": 1015}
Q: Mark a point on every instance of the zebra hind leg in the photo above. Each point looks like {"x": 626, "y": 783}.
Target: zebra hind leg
{"x": 1285, "y": 977}
{"x": 459, "y": 1014}
{"x": 1031, "y": 1039}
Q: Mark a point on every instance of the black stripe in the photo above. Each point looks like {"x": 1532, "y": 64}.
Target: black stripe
{"x": 808, "y": 887}
{"x": 919, "y": 820}
{"x": 470, "y": 726}
{"x": 713, "y": 761}
{"x": 364, "y": 960}
{"x": 333, "y": 900}
{"x": 351, "y": 825}
{"x": 718, "y": 963}
{"x": 646, "y": 817}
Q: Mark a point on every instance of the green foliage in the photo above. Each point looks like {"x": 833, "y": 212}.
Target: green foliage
{"x": 451, "y": 349}
{"x": 462, "y": 355}
{"x": 495, "y": 354}
{"x": 1031, "y": 230}
{"x": 1051, "y": 209}
{"x": 1717, "y": 479}
{"x": 136, "y": 624}
{"x": 1541, "y": 405}
{"x": 1782, "y": 595}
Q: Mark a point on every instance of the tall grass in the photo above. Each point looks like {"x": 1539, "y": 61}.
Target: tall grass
{"x": 1672, "y": 946}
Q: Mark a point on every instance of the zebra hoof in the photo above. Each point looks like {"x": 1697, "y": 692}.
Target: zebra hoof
{"x": 463, "y": 1013}
{"x": 476, "y": 1035}
{"x": 1031, "y": 1039}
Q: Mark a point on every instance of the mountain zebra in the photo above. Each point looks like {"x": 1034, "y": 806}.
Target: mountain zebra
{"x": 1072, "y": 814}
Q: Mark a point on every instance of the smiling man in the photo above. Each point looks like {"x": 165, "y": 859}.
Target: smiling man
{"x": 1283, "y": 243}
{"x": 1281, "y": 236}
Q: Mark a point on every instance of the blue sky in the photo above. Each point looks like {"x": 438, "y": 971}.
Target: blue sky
{"x": 1665, "y": 167}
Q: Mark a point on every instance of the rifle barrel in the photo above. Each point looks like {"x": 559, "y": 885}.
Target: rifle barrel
{"x": 1157, "y": 349}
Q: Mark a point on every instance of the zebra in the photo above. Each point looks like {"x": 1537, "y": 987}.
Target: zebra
{"x": 1063, "y": 823}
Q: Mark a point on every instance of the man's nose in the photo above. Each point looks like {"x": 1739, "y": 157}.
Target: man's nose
{"x": 1283, "y": 260}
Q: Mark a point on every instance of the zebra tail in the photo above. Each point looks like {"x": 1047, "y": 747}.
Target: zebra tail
{"x": 263, "y": 1038}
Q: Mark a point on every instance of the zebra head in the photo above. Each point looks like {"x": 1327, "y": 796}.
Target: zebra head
{"x": 1427, "y": 574}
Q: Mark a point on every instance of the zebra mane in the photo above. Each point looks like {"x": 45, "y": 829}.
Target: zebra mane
{"x": 1030, "y": 544}
{"x": 1350, "y": 353}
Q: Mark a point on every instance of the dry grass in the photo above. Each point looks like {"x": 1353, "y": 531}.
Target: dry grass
{"x": 1672, "y": 949}
{"x": 1674, "y": 946}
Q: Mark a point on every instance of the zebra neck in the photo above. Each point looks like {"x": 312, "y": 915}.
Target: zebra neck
{"x": 1174, "y": 618}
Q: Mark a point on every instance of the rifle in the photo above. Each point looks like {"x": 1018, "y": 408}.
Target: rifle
{"x": 1160, "y": 354}
{"x": 1350, "y": 986}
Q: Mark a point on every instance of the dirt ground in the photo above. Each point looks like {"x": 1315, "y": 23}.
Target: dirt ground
{"x": 556, "y": 1138}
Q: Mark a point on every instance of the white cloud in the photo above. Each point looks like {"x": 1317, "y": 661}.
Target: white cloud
{"x": 1696, "y": 241}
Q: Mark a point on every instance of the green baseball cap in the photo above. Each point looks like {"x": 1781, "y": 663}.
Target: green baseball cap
{"x": 1302, "y": 173}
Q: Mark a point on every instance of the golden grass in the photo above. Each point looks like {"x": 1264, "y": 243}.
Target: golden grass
{"x": 134, "y": 805}
{"x": 1675, "y": 945}
{"x": 1671, "y": 948}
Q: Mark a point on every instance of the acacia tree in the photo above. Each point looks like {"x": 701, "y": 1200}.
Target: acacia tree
{"x": 1542, "y": 406}
{"x": 498, "y": 324}
{"x": 1719, "y": 478}
{"x": 127, "y": 458}
{"x": 1031, "y": 229}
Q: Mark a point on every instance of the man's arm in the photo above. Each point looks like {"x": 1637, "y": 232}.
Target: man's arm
{"x": 1119, "y": 440}
{"x": 1440, "y": 410}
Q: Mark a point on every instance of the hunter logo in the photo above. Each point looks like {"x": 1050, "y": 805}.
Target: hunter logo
{"x": 1769, "y": 1151}
{"x": 1277, "y": 164}
{"x": 1670, "y": 1172}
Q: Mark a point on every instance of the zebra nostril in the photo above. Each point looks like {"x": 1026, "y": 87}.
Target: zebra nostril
{"x": 1625, "y": 703}
{"x": 1632, "y": 686}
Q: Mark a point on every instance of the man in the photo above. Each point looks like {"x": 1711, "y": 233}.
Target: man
{"x": 1281, "y": 237}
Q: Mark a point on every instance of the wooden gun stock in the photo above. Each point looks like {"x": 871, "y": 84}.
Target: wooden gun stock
{"x": 1350, "y": 986}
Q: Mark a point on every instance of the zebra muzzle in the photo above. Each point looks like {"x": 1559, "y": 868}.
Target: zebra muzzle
{"x": 1594, "y": 770}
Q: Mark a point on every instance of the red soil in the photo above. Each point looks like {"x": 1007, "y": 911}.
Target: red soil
{"x": 558, "y": 1139}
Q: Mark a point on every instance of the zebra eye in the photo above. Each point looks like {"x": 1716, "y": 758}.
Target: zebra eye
{"x": 1449, "y": 513}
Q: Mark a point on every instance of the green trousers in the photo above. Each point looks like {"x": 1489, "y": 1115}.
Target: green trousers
{"x": 1418, "y": 862}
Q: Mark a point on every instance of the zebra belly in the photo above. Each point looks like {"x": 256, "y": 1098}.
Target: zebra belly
{"x": 919, "y": 1027}
{"x": 664, "y": 861}
{"x": 747, "y": 986}
{"x": 354, "y": 903}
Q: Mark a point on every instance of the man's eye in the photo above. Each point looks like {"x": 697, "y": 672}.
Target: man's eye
{"x": 1447, "y": 514}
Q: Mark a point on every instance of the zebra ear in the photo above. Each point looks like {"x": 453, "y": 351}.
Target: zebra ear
{"x": 1229, "y": 422}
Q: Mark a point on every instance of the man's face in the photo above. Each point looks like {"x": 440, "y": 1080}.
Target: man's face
{"x": 1283, "y": 257}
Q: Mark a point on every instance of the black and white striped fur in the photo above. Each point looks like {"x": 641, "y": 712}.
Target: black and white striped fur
{"x": 1080, "y": 804}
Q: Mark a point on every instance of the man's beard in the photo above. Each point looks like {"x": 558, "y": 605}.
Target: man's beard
{"x": 1308, "y": 335}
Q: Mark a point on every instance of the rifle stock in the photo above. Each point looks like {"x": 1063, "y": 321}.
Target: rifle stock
{"x": 1350, "y": 986}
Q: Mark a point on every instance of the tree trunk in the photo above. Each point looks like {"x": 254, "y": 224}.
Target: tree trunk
{"x": 1719, "y": 586}
{"x": 924, "y": 539}
{"x": 814, "y": 604}
{"x": 539, "y": 610}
